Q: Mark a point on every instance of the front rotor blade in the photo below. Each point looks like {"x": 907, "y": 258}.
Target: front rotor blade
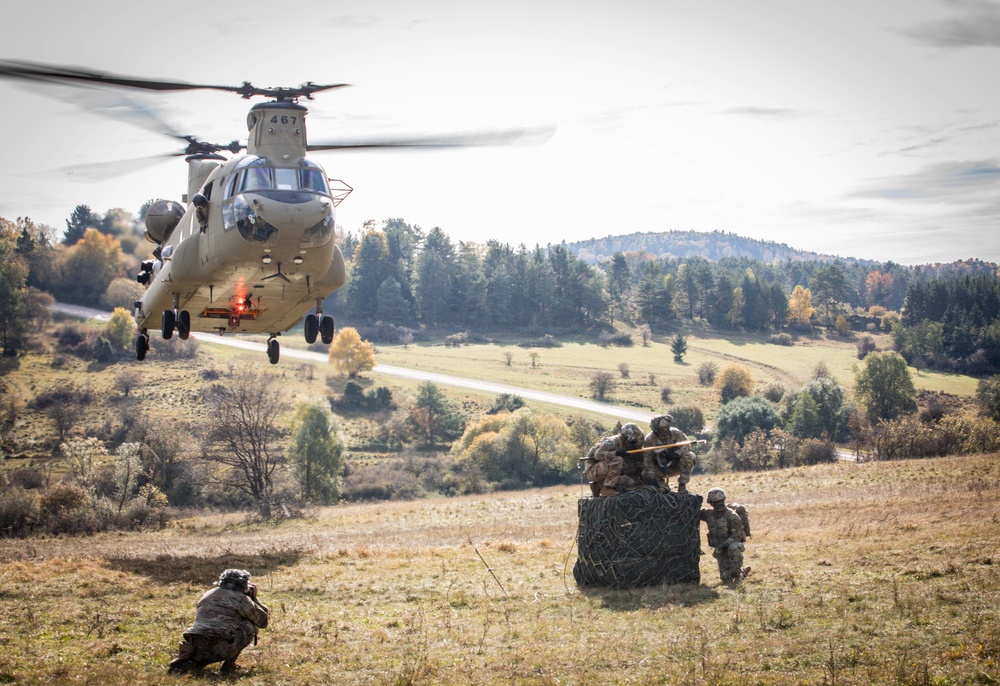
{"x": 460, "y": 140}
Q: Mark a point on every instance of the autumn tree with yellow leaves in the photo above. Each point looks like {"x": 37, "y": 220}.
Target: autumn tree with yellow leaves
{"x": 350, "y": 354}
{"x": 800, "y": 308}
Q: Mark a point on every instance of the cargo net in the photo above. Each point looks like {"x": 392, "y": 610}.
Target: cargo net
{"x": 638, "y": 538}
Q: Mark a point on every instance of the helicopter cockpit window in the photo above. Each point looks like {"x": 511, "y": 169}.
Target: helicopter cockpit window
{"x": 285, "y": 179}
{"x": 257, "y": 179}
{"x": 313, "y": 180}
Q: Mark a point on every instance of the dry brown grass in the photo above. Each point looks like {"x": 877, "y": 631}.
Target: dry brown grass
{"x": 879, "y": 573}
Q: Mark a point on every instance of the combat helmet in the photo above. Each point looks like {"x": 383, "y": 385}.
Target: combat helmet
{"x": 661, "y": 422}
{"x": 715, "y": 495}
{"x": 632, "y": 435}
{"x": 235, "y": 579}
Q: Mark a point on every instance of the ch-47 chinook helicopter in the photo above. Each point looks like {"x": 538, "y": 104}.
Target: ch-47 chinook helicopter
{"x": 251, "y": 247}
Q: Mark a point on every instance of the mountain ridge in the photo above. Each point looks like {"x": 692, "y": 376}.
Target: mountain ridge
{"x": 717, "y": 245}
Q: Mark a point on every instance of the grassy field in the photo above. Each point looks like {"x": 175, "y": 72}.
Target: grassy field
{"x": 877, "y": 573}
{"x": 568, "y": 369}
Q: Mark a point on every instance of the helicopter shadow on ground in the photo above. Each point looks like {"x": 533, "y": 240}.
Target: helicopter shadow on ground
{"x": 651, "y": 597}
{"x": 202, "y": 571}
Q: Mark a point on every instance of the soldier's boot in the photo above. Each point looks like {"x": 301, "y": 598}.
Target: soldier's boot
{"x": 184, "y": 662}
{"x": 595, "y": 489}
{"x": 608, "y": 492}
{"x": 179, "y": 665}
{"x": 745, "y": 572}
{"x": 228, "y": 667}
{"x": 682, "y": 487}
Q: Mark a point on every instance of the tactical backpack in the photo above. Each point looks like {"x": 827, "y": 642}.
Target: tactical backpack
{"x": 741, "y": 510}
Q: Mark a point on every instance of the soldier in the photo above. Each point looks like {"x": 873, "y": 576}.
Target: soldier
{"x": 660, "y": 465}
{"x": 726, "y": 535}
{"x": 226, "y": 622}
{"x": 610, "y": 468}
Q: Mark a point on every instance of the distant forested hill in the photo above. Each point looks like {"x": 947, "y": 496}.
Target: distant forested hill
{"x": 680, "y": 244}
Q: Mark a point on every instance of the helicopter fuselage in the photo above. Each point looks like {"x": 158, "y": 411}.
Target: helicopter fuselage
{"x": 253, "y": 249}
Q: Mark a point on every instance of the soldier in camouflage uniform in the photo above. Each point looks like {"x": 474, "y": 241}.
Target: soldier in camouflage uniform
{"x": 726, "y": 535}
{"x": 226, "y": 622}
{"x": 610, "y": 469}
{"x": 660, "y": 465}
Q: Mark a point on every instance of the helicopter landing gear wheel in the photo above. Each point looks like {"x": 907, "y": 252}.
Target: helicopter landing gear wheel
{"x": 312, "y": 328}
{"x": 326, "y": 329}
{"x": 183, "y": 325}
{"x": 141, "y": 346}
{"x": 273, "y": 350}
{"x": 168, "y": 321}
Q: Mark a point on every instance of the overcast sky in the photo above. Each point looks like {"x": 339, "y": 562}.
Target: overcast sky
{"x": 849, "y": 127}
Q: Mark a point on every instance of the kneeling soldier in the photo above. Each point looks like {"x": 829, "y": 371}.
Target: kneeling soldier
{"x": 226, "y": 622}
{"x": 726, "y": 535}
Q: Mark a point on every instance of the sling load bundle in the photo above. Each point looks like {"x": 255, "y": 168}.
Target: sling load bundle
{"x": 639, "y": 538}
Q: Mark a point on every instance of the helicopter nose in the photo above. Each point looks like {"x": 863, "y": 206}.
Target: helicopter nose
{"x": 292, "y": 215}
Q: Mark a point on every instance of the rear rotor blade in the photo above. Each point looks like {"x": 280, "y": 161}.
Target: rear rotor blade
{"x": 101, "y": 171}
{"x": 33, "y": 71}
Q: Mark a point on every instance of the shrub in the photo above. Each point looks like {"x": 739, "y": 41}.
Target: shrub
{"x": 384, "y": 332}
{"x": 866, "y": 345}
{"x": 147, "y": 509}
{"x": 506, "y": 402}
{"x": 20, "y": 510}
{"x": 780, "y": 339}
{"x": 665, "y": 393}
{"x": 601, "y": 383}
{"x": 122, "y": 293}
{"x": 773, "y": 391}
{"x": 30, "y": 479}
{"x": 102, "y": 350}
{"x": 988, "y": 397}
{"x": 904, "y": 438}
{"x": 707, "y": 371}
{"x": 70, "y": 335}
{"x": 174, "y": 348}
{"x": 814, "y": 451}
{"x": 380, "y": 481}
{"x": 623, "y": 369}
{"x": 68, "y": 509}
{"x": 62, "y": 498}
{"x": 211, "y": 374}
{"x": 742, "y": 416}
{"x": 968, "y": 434}
{"x": 120, "y": 329}
{"x": 355, "y": 398}
{"x": 618, "y": 338}
{"x": 456, "y": 340}
{"x": 546, "y": 341}
{"x": 688, "y": 418}
{"x": 735, "y": 381}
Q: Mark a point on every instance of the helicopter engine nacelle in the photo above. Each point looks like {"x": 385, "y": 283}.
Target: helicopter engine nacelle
{"x": 161, "y": 218}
